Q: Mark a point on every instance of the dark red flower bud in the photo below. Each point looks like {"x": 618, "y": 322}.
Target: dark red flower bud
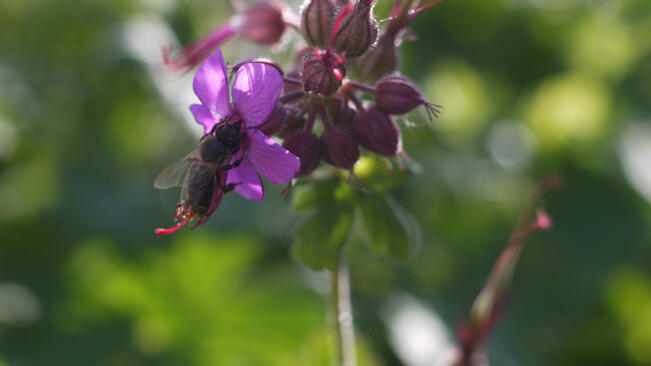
{"x": 340, "y": 146}
{"x": 378, "y": 61}
{"x": 263, "y": 22}
{"x": 376, "y": 132}
{"x": 357, "y": 31}
{"x": 306, "y": 146}
{"x": 300, "y": 53}
{"x": 322, "y": 73}
{"x": 339, "y": 112}
{"x": 382, "y": 59}
{"x": 316, "y": 21}
{"x": 398, "y": 95}
{"x": 275, "y": 122}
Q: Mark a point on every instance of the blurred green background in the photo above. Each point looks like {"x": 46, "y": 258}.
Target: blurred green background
{"x": 530, "y": 88}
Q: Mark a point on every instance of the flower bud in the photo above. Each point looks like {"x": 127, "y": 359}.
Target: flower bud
{"x": 322, "y": 74}
{"x": 376, "y": 132}
{"x": 339, "y": 112}
{"x": 340, "y": 146}
{"x": 299, "y": 55}
{"x": 263, "y": 22}
{"x": 316, "y": 21}
{"x": 275, "y": 122}
{"x": 378, "y": 61}
{"x": 357, "y": 32}
{"x": 397, "y": 95}
{"x": 306, "y": 146}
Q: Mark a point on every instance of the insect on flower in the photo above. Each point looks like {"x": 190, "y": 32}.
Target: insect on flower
{"x": 201, "y": 174}
{"x": 233, "y": 150}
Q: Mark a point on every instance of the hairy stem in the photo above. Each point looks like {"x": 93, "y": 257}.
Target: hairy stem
{"x": 286, "y": 98}
{"x": 343, "y": 314}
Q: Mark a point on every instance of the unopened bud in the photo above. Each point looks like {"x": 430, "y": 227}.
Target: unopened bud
{"x": 397, "y": 95}
{"x": 300, "y": 52}
{"x": 357, "y": 32}
{"x": 339, "y": 112}
{"x": 263, "y": 22}
{"x": 316, "y": 21}
{"x": 305, "y": 145}
{"x": 275, "y": 122}
{"x": 322, "y": 74}
{"x": 340, "y": 146}
{"x": 383, "y": 58}
{"x": 376, "y": 132}
{"x": 378, "y": 61}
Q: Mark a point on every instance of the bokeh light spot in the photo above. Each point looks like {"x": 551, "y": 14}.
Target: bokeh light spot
{"x": 568, "y": 109}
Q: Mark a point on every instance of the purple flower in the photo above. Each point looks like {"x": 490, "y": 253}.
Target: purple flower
{"x": 255, "y": 93}
{"x": 261, "y": 22}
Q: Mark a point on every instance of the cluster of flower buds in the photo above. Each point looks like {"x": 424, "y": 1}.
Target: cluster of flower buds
{"x": 348, "y": 122}
{"x": 338, "y": 35}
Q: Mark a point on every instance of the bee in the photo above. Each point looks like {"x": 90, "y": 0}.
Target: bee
{"x": 200, "y": 173}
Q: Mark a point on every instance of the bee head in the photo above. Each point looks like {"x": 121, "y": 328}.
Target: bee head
{"x": 230, "y": 136}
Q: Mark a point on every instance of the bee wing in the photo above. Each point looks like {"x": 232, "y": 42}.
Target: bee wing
{"x": 206, "y": 176}
{"x": 174, "y": 175}
{"x": 184, "y": 189}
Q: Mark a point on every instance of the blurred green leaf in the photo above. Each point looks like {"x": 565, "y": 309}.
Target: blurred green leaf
{"x": 199, "y": 302}
{"x": 318, "y": 351}
{"x": 318, "y": 240}
{"x": 316, "y": 194}
{"x": 384, "y": 231}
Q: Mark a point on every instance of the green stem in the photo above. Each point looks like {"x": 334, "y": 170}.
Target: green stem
{"x": 343, "y": 314}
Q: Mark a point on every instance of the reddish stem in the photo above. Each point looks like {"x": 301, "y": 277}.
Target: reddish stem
{"x": 356, "y": 101}
{"x": 311, "y": 117}
{"x": 291, "y": 80}
{"x": 291, "y": 96}
{"x": 324, "y": 117}
{"x": 362, "y": 87}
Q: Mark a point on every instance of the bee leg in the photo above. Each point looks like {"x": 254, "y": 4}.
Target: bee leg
{"x": 229, "y": 187}
{"x": 226, "y": 188}
{"x": 213, "y": 129}
{"x": 230, "y": 166}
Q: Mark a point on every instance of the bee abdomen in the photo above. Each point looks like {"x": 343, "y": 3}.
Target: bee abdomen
{"x": 201, "y": 188}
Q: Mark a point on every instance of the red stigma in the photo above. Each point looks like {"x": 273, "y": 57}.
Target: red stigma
{"x": 172, "y": 229}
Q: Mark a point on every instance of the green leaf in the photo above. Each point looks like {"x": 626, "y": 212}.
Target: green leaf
{"x": 380, "y": 174}
{"x": 317, "y": 240}
{"x": 385, "y": 231}
{"x": 316, "y": 195}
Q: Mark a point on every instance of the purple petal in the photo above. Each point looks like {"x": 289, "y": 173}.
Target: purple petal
{"x": 272, "y": 160}
{"x": 255, "y": 92}
{"x": 211, "y": 84}
{"x": 204, "y": 116}
{"x": 190, "y": 57}
{"x": 247, "y": 180}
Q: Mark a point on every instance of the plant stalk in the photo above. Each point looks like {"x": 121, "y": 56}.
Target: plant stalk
{"x": 343, "y": 314}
